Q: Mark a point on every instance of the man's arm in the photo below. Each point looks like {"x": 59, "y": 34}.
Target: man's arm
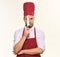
{"x": 19, "y": 45}
{"x": 31, "y": 51}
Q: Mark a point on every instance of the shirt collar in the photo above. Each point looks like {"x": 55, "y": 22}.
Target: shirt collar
{"x": 32, "y": 28}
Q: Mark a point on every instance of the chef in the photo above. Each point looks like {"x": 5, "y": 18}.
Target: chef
{"x": 29, "y": 40}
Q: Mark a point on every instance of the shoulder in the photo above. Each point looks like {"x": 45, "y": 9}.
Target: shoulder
{"x": 38, "y": 30}
{"x": 40, "y": 34}
{"x": 19, "y": 31}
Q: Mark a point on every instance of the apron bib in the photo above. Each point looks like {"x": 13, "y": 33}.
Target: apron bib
{"x": 29, "y": 44}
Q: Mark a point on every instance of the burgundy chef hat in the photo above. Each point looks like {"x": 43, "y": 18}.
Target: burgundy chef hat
{"x": 28, "y": 8}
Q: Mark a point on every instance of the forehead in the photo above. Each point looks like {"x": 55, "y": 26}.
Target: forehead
{"x": 31, "y": 16}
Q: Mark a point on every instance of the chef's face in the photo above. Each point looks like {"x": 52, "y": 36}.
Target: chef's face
{"x": 31, "y": 20}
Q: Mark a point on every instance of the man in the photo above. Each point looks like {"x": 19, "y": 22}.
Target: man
{"x": 29, "y": 41}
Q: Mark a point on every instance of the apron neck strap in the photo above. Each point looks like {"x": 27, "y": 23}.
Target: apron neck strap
{"x": 34, "y": 32}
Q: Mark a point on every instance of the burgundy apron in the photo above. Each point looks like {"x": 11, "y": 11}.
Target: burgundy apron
{"x": 29, "y": 44}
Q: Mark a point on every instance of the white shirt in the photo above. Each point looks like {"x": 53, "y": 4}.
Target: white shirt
{"x": 39, "y": 37}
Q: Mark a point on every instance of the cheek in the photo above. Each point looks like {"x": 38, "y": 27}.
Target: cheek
{"x": 32, "y": 22}
{"x": 25, "y": 21}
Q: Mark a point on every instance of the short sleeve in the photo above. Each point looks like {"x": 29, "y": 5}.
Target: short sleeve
{"x": 40, "y": 39}
{"x": 17, "y": 36}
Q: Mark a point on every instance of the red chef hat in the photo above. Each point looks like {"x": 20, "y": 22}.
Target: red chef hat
{"x": 28, "y": 8}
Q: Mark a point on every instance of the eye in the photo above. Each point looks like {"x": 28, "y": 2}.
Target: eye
{"x": 31, "y": 18}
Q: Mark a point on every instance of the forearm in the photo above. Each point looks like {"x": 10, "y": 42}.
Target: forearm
{"x": 19, "y": 45}
{"x": 32, "y": 51}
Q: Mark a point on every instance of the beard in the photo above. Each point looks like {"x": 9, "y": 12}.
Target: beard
{"x": 30, "y": 26}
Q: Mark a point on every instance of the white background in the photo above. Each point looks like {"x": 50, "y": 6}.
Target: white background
{"x": 47, "y": 18}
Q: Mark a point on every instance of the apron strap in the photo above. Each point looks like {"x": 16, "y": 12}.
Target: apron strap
{"x": 34, "y": 32}
{"x": 23, "y": 32}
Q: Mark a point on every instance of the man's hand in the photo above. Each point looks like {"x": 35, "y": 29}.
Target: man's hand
{"x": 26, "y": 32}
